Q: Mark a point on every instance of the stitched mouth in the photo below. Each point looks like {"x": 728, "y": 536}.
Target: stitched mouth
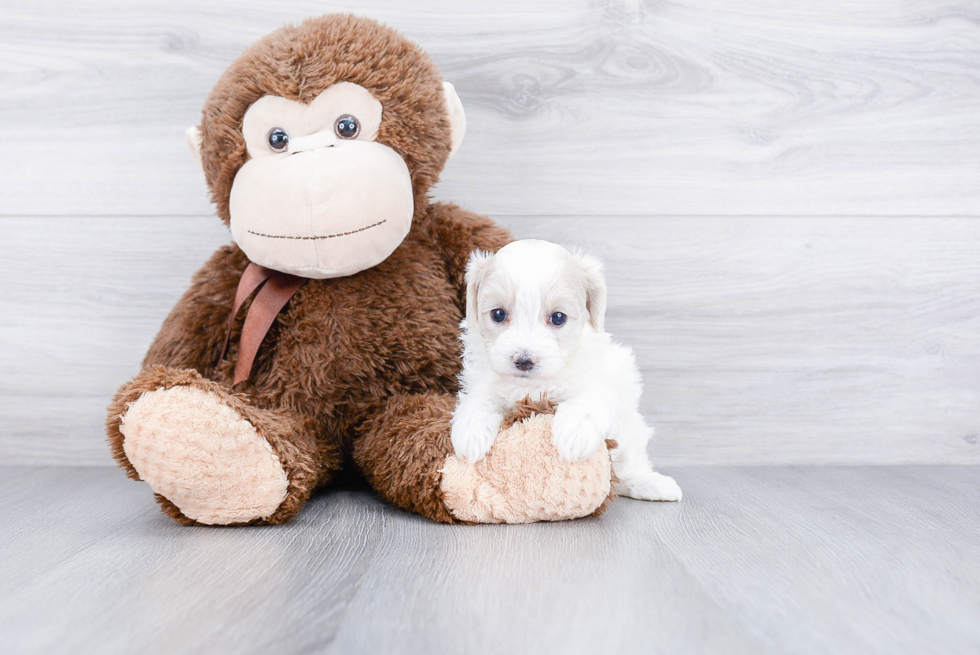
{"x": 325, "y": 236}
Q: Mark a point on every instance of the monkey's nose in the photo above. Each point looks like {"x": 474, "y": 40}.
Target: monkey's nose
{"x": 524, "y": 362}
{"x": 324, "y": 139}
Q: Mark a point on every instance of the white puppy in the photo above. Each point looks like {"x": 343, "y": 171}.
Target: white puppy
{"x": 534, "y": 326}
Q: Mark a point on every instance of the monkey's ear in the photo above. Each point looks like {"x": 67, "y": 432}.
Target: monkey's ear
{"x": 457, "y": 117}
{"x": 193, "y": 135}
{"x": 477, "y": 270}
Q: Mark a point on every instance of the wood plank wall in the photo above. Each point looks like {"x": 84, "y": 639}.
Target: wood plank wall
{"x": 786, "y": 195}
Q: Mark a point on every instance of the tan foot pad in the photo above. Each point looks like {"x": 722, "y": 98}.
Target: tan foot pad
{"x": 202, "y": 456}
{"x": 522, "y": 479}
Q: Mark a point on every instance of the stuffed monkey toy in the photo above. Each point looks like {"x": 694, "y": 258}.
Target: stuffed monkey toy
{"x": 326, "y": 336}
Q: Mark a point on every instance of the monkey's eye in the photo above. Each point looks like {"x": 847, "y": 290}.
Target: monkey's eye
{"x": 278, "y": 139}
{"x": 347, "y": 127}
{"x": 498, "y": 316}
{"x": 558, "y": 319}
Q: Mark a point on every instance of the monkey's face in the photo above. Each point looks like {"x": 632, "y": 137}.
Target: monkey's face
{"x": 319, "y": 197}
{"x": 322, "y": 140}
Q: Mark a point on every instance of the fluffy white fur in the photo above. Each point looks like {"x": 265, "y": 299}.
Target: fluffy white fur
{"x": 594, "y": 380}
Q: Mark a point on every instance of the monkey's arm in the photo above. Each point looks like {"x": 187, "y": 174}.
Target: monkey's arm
{"x": 458, "y": 233}
{"x": 192, "y": 335}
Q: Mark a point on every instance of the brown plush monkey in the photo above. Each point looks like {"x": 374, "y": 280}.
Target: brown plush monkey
{"x": 328, "y": 335}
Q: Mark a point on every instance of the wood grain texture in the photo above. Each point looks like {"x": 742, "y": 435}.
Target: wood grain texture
{"x": 754, "y": 560}
{"x": 761, "y": 340}
{"x": 575, "y": 106}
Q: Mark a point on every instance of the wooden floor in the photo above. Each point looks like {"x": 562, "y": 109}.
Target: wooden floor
{"x": 756, "y": 559}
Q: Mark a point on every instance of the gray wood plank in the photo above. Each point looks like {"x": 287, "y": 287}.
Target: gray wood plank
{"x": 766, "y": 559}
{"x": 596, "y": 585}
{"x": 900, "y": 559}
{"x": 575, "y": 107}
{"x": 761, "y": 340}
{"x": 125, "y": 575}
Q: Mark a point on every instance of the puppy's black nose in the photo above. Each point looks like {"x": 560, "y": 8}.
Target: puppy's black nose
{"x": 524, "y": 362}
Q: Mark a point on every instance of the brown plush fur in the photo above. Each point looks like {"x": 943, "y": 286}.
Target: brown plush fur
{"x": 526, "y": 409}
{"x": 406, "y": 471}
{"x": 354, "y": 366}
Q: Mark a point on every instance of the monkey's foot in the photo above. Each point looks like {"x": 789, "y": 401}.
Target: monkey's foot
{"x": 203, "y": 456}
{"x": 524, "y": 479}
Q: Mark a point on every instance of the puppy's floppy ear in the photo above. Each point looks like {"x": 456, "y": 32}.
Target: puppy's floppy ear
{"x": 594, "y": 282}
{"x": 477, "y": 270}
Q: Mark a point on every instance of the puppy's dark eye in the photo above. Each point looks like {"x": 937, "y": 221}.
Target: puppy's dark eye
{"x": 558, "y": 319}
{"x": 498, "y": 316}
{"x": 347, "y": 127}
{"x": 278, "y": 139}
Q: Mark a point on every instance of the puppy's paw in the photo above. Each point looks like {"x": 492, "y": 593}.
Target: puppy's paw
{"x": 653, "y": 486}
{"x": 473, "y": 432}
{"x": 578, "y": 430}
